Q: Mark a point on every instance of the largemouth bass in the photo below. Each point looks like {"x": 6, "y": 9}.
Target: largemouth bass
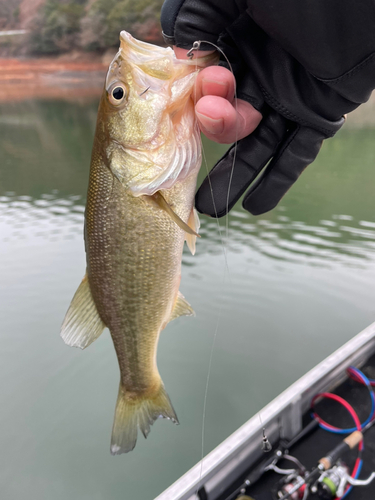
{"x": 145, "y": 160}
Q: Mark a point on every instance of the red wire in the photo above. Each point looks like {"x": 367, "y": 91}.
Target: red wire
{"x": 356, "y": 465}
{"x": 353, "y": 474}
{"x": 352, "y": 413}
{"x": 345, "y": 404}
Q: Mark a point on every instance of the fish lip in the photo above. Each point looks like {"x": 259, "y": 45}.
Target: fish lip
{"x": 127, "y": 41}
{"x": 142, "y": 47}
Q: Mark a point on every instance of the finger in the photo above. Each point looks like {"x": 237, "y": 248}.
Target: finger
{"x": 299, "y": 150}
{"x": 223, "y": 122}
{"x": 215, "y": 80}
{"x": 232, "y": 175}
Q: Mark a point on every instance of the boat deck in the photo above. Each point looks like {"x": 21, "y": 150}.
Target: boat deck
{"x": 319, "y": 442}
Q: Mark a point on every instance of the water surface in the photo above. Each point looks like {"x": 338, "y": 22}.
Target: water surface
{"x": 300, "y": 282}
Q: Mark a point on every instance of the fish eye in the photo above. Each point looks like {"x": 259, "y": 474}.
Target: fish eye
{"x": 117, "y": 94}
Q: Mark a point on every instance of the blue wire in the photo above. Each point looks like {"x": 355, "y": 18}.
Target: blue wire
{"x": 355, "y": 477}
{"x": 368, "y": 384}
{"x": 359, "y": 469}
{"x": 338, "y": 431}
{"x": 364, "y": 379}
{"x": 347, "y": 493}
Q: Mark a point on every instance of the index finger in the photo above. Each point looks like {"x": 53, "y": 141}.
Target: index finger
{"x": 212, "y": 80}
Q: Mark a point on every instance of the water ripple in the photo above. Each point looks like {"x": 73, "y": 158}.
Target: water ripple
{"x": 324, "y": 243}
{"x": 48, "y": 217}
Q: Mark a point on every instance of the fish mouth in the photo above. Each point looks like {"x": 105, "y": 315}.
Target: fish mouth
{"x": 132, "y": 45}
{"x": 157, "y": 61}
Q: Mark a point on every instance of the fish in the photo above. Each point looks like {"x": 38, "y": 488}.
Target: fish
{"x": 140, "y": 209}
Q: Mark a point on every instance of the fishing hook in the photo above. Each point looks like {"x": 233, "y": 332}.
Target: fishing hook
{"x": 196, "y": 46}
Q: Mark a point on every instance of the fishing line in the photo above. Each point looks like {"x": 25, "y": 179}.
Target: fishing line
{"x": 205, "y": 397}
{"x": 190, "y": 54}
{"x": 266, "y": 445}
{"x": 226, "y": 273}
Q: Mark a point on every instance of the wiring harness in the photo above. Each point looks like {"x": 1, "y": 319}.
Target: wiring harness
{"x": 360, "y": 377}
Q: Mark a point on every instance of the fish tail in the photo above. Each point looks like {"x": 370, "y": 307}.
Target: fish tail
{"x": 141, "y": 412}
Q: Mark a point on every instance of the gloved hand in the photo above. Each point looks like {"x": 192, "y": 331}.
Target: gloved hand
{"x": 302, "y": 64}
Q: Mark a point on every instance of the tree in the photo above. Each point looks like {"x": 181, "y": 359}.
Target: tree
{"x": 56, "y": 27}
{"x": 104, "y": 19}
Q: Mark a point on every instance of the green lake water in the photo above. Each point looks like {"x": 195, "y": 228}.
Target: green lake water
{"x": 301, "y": 283}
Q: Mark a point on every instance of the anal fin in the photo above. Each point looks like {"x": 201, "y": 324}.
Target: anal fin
{"x": 181, "y": 308}
{"x": 82, "y": 324}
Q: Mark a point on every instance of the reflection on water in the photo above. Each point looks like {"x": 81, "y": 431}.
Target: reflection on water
{"x": 49, "y": 217}
{"x": 330, "y": 242}
{"x": 326, "y": 244}
{"x": 293, "y": 285}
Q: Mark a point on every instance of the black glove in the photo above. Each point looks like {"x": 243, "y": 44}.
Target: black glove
{"x": 302, "y": 63}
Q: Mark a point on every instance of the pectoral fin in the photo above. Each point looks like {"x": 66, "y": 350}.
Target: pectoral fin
{"x": 181, "y": 308}
{"x": 194, "y": 223}
{"x": 159, "y": 199}
{"x": 82, "y": 324}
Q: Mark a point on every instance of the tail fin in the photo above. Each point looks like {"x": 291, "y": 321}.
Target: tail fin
{"x": 134, "y": 413}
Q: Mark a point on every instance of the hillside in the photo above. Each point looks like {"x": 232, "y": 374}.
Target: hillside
{"x": 56, "y": 27}
{"x": 28, "y": 10}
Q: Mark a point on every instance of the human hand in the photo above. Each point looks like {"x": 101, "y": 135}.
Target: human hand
{"x": 220, "y": 117}
{"x": 226, "y": 120}
{"x": 298, "y": 68}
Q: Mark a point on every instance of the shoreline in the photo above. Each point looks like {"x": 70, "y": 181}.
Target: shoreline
{"x": 80, "y": 76}
{"x": 51, "y": 78}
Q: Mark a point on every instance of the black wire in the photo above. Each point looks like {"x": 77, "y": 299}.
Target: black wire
{"x": 311, "y": 426}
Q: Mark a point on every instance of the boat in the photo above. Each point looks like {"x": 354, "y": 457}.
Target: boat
{"x": 297, "y": 451}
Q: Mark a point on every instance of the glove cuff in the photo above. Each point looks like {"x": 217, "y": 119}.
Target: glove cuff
{"x": 354, "y": 84}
